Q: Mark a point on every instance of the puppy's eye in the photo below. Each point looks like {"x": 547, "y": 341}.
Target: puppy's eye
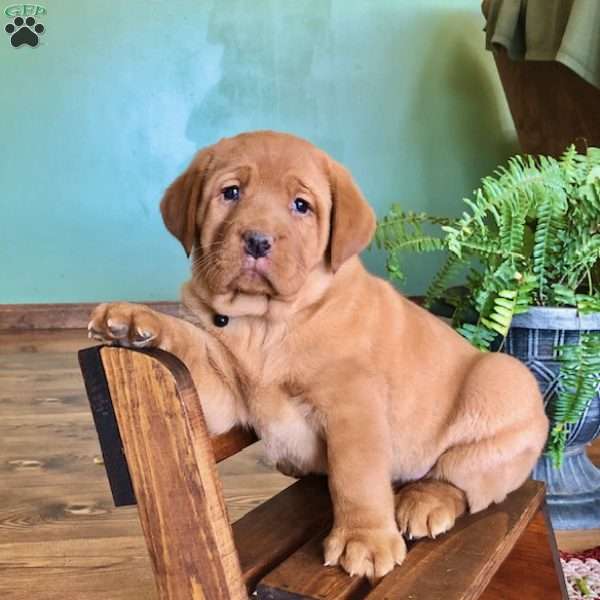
{"x": 301, "y": 206}
{"x": 231, "y": 193}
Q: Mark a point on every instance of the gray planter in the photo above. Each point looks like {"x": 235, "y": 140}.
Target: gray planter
{"x": 573, "y": 491}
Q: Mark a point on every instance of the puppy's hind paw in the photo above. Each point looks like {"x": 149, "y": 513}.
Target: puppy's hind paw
{"x": 428, "y": 508}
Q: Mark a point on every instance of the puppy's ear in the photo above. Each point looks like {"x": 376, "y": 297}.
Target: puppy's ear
{"x": 352, "y": 219}
{"x": 180, "y": 202}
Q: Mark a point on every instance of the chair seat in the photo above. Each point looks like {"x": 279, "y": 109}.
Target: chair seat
{"x": 507, "y": 551}
{"x": 457, "y": 565}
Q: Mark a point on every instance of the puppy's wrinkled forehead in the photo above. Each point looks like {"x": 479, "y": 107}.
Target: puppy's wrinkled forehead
{"x": 271, "y": 157}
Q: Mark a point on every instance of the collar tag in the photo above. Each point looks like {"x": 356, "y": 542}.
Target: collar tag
{"x": 220, "y": 320}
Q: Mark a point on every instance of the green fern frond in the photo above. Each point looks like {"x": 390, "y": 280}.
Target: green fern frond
{"x": 480, "y": 336}
{"x": 585, "y": 303}
{"x": 509, "y": 302}
{"x": 501, "y": 315}
{"x": 588, "y": 304}
{"x": 561, "y": 295}
{"x": 512, "y": 226}
{"x": 419, "y": 242}
{"x": 441, "y": 279}
{"x": 527, "y": 285}
{"x": 579, "y": 384}
{"x": 404, "y": 231}
{"x": 569, "y": 164}
{"x": 581, "y": 254}
{"x": 546, "y": 239}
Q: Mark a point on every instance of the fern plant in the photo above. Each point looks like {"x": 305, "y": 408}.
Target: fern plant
{"x": 529, "y": 236}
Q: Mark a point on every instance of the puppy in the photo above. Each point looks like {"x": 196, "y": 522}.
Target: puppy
{"x": 336, "y": 371}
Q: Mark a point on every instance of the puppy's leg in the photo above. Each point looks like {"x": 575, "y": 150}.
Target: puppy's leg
{"x": 137, "y": 326}
{"x": 364, "y": 539}
{"x": 492, "y": 445}
{"x": 473, "y": 475}
{"x": 489, "y": 469}
{"x": 428, "y": 508}
{"x": 498, "y": 433}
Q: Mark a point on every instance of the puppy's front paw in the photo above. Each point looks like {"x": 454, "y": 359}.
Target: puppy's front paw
{"x": 129, "y": 325}
{"x": 428, "y": 508}
{"x": 365, "y": 552}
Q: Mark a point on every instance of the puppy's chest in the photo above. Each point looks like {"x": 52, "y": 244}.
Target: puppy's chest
{"x": 278, "y": 404}
{"x": 289, "y": 426}
{"x": 291, "y": 431}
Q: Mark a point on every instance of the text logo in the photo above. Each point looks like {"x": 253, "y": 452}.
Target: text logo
{"x": 24, "y": 10}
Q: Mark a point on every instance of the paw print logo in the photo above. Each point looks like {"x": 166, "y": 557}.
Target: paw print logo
{"x": 24, "y": 31}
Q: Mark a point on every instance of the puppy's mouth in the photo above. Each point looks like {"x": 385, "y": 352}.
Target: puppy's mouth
{"x": 255, "y": 267}
{"x": 254, "y": 276}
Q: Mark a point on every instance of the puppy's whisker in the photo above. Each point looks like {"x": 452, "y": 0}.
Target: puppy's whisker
{"x": 209, "y": 257}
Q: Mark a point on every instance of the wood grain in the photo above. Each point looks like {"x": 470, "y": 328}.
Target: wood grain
{"x": 81, "y": 569}
{"x": 458, "y": 565}
{"x": 534, "y": 563}
{"x": 551, "y": 105}
{"x": 303, "y": 576}
{"x": 232, "y": 442}
{"x": 101, "y": 404}
{"x": 75, "y": 315}
{"x": 174, "y": 474}
{"x": 278, "y": 527}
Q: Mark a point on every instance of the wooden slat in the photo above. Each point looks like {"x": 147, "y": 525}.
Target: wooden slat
{"x": 272, "y": 531}
{"x": 232, "y": 442}
{"x": 46, "y": 344}
{"x": 461, "y": 564}
{"x": 458, "y": 565}
{"x": 71, "y": 315}
{"x": 83, "y": 569}
{"x": 303, "y": 576}
{"x": 174, "y": 474}
{"x": 299, "y": 511}
{"x": 533, "y": 565}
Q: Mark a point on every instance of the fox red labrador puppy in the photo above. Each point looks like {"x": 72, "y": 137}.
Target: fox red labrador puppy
{"x": 335, "y": 370}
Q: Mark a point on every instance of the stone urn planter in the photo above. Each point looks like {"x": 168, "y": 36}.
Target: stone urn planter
{"x": 573, "y": 490}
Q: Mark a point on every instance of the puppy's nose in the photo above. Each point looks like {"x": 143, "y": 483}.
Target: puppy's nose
{"x": 257, "y": 244}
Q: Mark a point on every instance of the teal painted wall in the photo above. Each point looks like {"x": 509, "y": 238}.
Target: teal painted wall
{"x": 100, "y": 117}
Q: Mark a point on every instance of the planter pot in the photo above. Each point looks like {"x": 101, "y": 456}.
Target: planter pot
{"x": 573, "y": 491}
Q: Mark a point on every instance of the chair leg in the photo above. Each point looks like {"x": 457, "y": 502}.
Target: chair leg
{"x": 532, "y": 567}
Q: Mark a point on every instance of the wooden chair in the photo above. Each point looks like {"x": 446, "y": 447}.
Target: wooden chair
{"x": 157, "y": 452}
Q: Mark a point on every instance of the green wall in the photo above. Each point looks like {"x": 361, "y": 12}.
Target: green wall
{"x": 102, "y": 115}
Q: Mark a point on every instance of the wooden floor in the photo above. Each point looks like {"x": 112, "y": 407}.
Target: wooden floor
{"x": 54, "y": 496}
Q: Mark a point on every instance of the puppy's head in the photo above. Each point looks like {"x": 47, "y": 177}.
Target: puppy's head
{"x": 261, "y": 210}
